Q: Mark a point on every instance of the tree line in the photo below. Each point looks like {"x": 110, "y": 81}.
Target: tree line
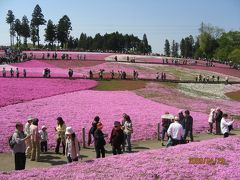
{"x": 58, "y": 35}
{"x": 211, "y": 43}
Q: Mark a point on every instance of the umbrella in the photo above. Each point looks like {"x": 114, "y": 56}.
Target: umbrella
{"x": 167, "y": 116}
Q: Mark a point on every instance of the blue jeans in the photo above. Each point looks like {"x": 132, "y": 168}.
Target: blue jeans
{"x": 127, "y": 142}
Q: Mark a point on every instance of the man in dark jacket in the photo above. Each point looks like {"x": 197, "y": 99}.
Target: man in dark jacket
{"x": 218, "y": 118}
{"x": 117, "y": 138}
{"x": 99, "y": 141}
{"x": 188, "y": 125}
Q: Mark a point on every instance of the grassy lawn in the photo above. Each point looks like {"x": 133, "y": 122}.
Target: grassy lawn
{"x": 119, "y": 85}
{"x": 234, "y": 95}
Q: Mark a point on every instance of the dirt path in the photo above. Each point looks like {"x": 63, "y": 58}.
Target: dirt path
{"x": 51, "y": 159}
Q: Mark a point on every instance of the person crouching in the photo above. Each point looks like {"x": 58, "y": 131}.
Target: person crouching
{"x": 72, "y": 145}
{"x": 175, "y": 132}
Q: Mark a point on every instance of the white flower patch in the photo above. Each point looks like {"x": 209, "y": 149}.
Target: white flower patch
{"x": 209, "y": 91}
{"x": 231, "y": 88}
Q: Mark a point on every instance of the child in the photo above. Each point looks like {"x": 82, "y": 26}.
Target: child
{"x": 44, "y": 138}
{"x": 72, "y": 145}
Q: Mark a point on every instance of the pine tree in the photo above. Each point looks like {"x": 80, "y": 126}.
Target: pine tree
{"x": 37, "y": 20}
{"x": 167, "y": 48}
{"x": 10, "y": 20}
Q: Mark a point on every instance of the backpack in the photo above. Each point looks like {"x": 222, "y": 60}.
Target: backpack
{"x": 11, "y": 142}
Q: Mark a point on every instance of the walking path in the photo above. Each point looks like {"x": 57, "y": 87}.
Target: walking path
{"x": 88, "y": 154}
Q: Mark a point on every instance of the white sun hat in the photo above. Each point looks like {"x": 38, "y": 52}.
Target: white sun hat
{"x": 69, "y": 131}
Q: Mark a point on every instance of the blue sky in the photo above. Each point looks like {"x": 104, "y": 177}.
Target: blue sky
{"x": 159, "y": 19}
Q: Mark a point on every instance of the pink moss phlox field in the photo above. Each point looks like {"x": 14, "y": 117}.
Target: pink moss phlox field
{"x": 19, "y": 90}
{"x": 78, "y": 109}
{"x": 222, "y": 162}
{"x": 73, "y": 55}
{"x": 35, "y": 68}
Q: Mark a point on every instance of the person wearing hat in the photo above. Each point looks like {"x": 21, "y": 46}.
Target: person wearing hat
{"x": 175, "y": 132}
{"x": 35, "y": 140}
{"x": 117, "y": 138}
{"x": 44, "y": 138}
{"x": 93, "y": 129}
{"x": 99, "y": 141}
{"x": 166, "y": 121}
{"x": 27, "y": 132}
{"x": 19, "y": 138}
{"x": 72, "y": 145}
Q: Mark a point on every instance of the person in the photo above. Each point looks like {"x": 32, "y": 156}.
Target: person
{"x": 27, "y": 132}
{"x": 188, "y": 125}
{"x": 92, "y": 129}
{"x": 24, "y": 73}
{"x": 35, "y": 140}
{"x": 17, "y": 72}
{"x": 157, "y": 76}
{"x": 124, "y": 115}
{"x": 117, "y": 138}
{"x": 211, "y": 120}
{"x": 166, "y": 121}
{"x": 225, "y": 125}
{"x": 4, "y": 72}
{"x": 226, "y": 79}
{"x": 90, "y": 74}
{"x": 99, "y": 141}
{"x": 218, "y": 117}
{"x": 181, "y": 117}
{"x": 12, "y": 72}
{"x": 19, "y": 138}
{"x": 44, "y": 139}
{"x": 128, "y": 130}
{"x": 112, "y": 74}
{"x": 72, "y": 145}
{"x": 70, "y": 73}
{"x": 175, "y": 133}
{"x": 60, "y": 134}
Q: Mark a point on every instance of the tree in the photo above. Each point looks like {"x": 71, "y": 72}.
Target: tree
{"x": 82, "y": 44}
{"x": 208, "y": 39}
{"x": 227, "y": 43}
{"x": 34, "y": 37}
{"x": 50, "y": 33}
{"x": 234, "y": 56}
{"x": 18, "y": 29}
{"x": 146, "y": 47}
{"x": 167, "y": 48}
{"x": 182, "y": 47}
{"x": 25, "y": 29}
{"x": 63, "y": 30}
{"x": 10, "y": 20}
{"x": 37, "y": 20}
